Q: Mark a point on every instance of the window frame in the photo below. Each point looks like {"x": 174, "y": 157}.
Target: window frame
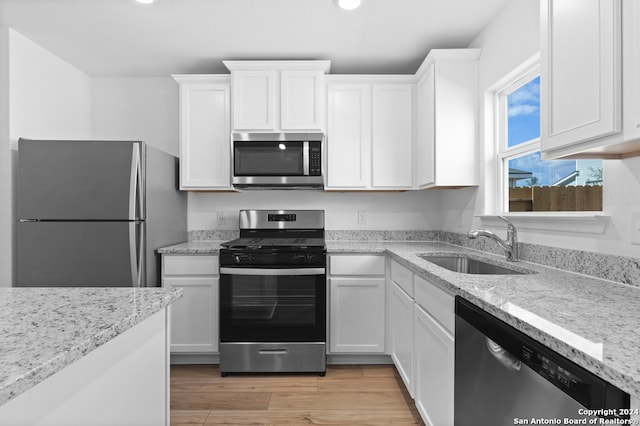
{"x": 580, "y": 222}
{"x": 505, "y": 153}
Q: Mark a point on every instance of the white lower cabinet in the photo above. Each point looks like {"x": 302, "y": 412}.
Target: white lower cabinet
{"x": 422, "y": 328}
{"x": 401, "y": 308}
{"x": 357, "y": 304}
{"x": 434, "y": 353}
{"x": 193, "y": 318}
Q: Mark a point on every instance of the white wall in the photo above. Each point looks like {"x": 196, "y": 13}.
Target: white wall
{"x": 6, "y": 171}
{"x": 48, "y": 98}
{"x": 507, "y": 42}
{"x": 411, "y": 210}
{"x": 144, "y": 109}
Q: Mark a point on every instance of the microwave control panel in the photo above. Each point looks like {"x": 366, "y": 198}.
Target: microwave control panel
{"x": 315, "y": 159}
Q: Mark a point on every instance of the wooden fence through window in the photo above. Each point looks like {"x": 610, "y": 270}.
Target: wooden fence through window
{"x": 555, "y": 198}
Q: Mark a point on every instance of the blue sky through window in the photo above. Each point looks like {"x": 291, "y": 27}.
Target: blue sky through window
{"x": 524, "y": 113}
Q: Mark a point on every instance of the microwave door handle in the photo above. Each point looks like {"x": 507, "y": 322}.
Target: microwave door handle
{"x": 305, "y": 158}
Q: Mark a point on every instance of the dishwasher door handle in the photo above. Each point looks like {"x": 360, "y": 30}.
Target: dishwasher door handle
{"x": 503, "y": 357}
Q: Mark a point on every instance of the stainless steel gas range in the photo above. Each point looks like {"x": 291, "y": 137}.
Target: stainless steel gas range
{"x": 273, "y": 294}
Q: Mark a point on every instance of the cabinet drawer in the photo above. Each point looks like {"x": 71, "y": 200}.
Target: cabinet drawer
{"x": 190, "y": 265}
{"x": 356, "y": 265}
{"x": 438, "y": 303}
{"x": 402, "y": 276}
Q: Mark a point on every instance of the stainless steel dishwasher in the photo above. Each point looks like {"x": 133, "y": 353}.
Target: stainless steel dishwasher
{"x": 503, "y": 377}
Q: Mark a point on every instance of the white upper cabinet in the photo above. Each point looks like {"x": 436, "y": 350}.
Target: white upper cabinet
{"x": 302, "y": 100}
{"x": 254, "y": 103}
{"x": 425, "y": 128}
{"x": 447, "y": 116}
{"x": 580, "y": 72}
{"x": 349, "y": 136}
{"x": 631, "y": 73}
{"x": 370, "y": 132}
{"x": 278, "y": 95}
{"x": 205, "y": 132}
{"x": 590, "y": 78}
{"x": 392, "y": 135}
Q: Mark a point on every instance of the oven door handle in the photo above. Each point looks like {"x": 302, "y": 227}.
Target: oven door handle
{"x": 272, "y": 271}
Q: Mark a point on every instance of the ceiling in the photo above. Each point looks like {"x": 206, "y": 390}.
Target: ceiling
{"x": 124, "y": 38}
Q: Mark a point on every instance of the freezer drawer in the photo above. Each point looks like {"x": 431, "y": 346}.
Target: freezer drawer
{"x": 80, "y": 254}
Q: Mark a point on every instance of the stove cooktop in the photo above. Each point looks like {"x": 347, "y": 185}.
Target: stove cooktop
{"x": 254, "y": 242}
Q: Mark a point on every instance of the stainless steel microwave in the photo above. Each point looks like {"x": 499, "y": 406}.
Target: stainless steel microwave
{"x": 277, "y": 160}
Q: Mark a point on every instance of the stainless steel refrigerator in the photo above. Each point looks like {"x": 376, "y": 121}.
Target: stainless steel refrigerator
{"x": 92, "y": 213}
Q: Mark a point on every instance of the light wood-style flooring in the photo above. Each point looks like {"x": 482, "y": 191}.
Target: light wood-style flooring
{"x": 347, "y": 395}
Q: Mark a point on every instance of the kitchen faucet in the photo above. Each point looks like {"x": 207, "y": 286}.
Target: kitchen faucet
{"x": 510, "y": 245}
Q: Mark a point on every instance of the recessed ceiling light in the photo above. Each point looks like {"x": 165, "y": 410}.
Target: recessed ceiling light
{"x": 347, "y": 4}
{"x": 145, "y": 1}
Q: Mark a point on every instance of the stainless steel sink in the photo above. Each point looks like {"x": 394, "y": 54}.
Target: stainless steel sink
{"x": 467, "y": 265}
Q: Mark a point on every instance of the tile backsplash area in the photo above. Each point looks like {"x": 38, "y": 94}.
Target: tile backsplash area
{"x": 610, "y": 267}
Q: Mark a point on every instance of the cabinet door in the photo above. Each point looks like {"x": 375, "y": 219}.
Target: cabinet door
{"x": 392, "y": 135}
{"x": 194, "y": 318}
{"x": 357, "y": 315}
{"x": 254, "y": 100}
{"x": 434, "y": 366}
{"x": 205, "y": 144}
{"x": 580, "y": 71}
{"x": 631, "y": 63}
{"x": 401, "y": 323}
{"x": 425, "y": 129}
{"x": 301, "y": 100}
{"x": 349, "y": 136}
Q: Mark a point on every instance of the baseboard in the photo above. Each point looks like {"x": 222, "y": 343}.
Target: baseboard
{"x": 332, "y": 359}
{"x": 200, "y": 358}
{"x": 355, "y": 359}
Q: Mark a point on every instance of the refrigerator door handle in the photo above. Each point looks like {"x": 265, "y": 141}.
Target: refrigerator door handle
{"x": 133, "y": 253}
{"x": 134, "y": 183}
{"x": 136, "y": 253}
{"x": 141, "y": 278}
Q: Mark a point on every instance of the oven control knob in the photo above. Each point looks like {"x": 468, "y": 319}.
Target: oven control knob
{"x": 310, "y": 257}
{"x": 237, "y": 258}
{"x": 298, "y": 258}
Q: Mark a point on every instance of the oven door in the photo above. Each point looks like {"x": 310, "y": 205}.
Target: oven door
{"x": 272, "y": 304}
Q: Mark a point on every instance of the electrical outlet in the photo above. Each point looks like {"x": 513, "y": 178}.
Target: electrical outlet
{"x": 362, "y": 217}
{"x": 634, "y": 227}
{"x": 220, "y": 218}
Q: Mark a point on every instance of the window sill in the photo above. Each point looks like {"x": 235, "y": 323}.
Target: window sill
{"x": 583, "y": 223}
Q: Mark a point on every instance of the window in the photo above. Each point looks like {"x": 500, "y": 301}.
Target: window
{"x": 527, "y": 182}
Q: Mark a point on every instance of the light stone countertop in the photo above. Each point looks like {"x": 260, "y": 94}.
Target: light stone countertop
{"x": 192, "y": 247}
{"x": 43, "y": 330}
{"x": 553, "y": 306}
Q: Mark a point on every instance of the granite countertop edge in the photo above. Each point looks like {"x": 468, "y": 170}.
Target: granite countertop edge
{"x": 548, "y": 286}
{"x": 33, "y": 375}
